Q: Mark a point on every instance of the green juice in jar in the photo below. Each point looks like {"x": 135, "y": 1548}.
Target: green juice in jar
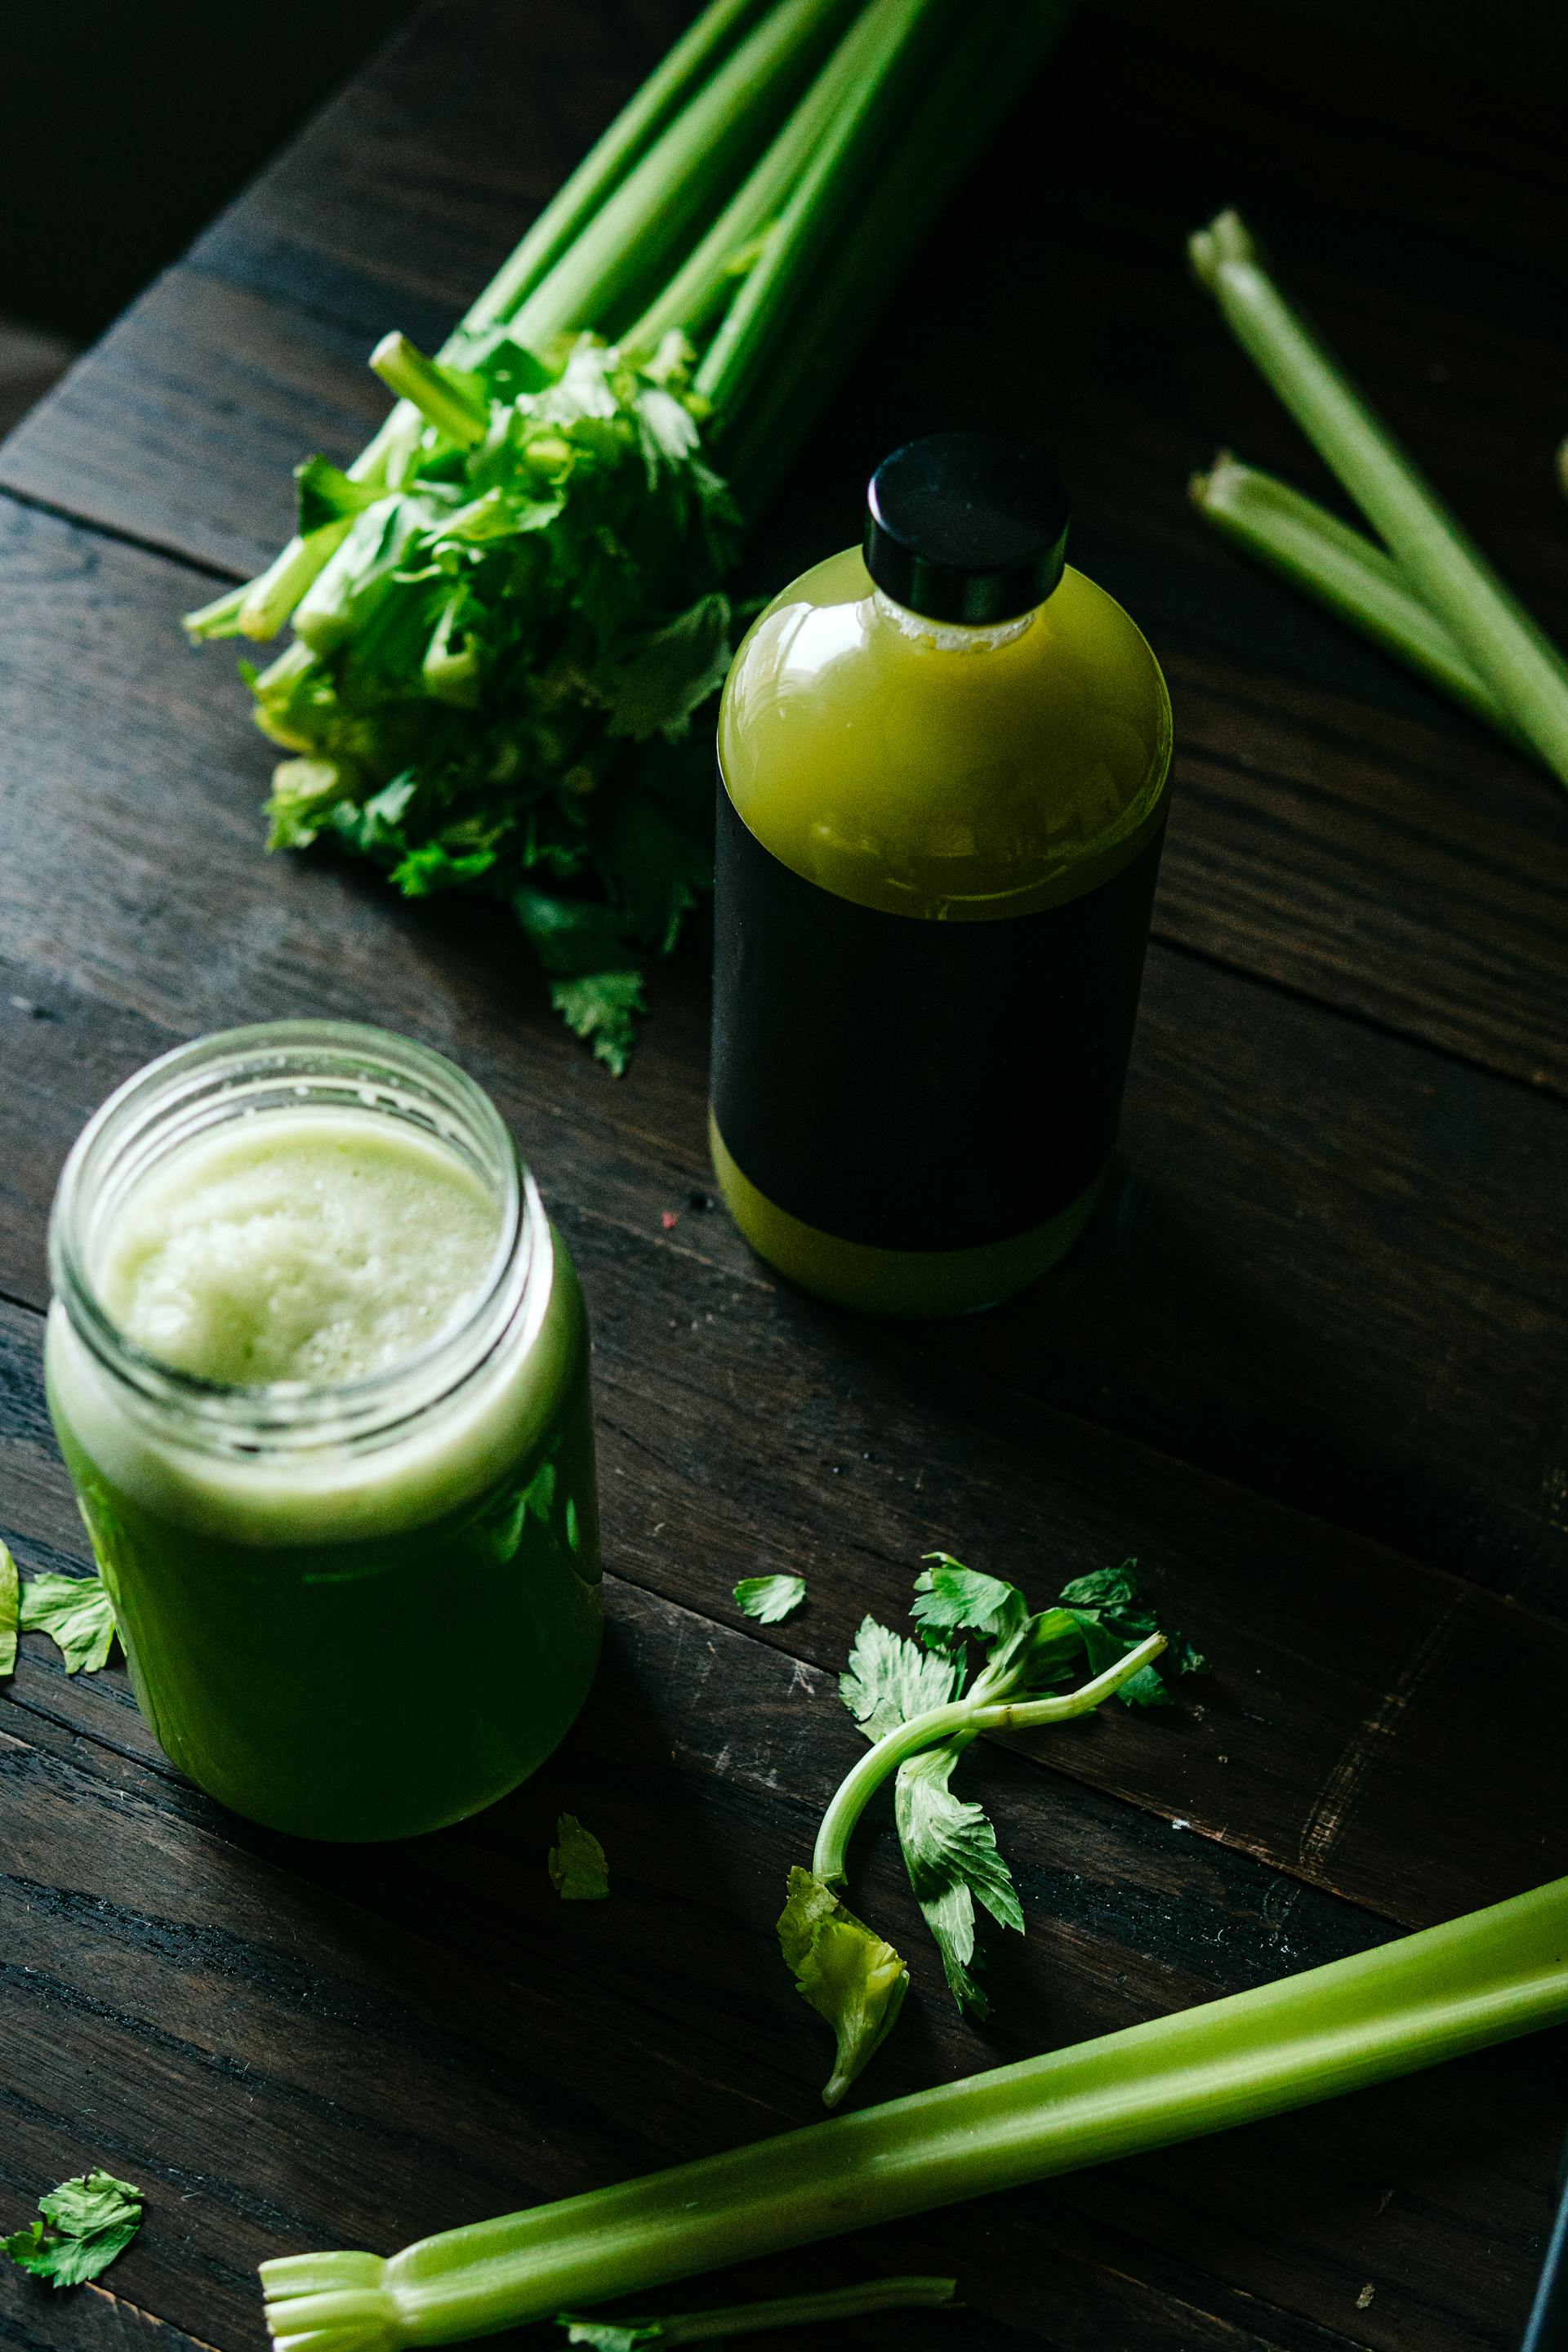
{"x": 943, "y": 767}
{"x": 319, "y": 1367}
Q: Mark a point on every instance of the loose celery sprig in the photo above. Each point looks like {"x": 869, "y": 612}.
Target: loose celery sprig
{"x": 912, "y": 1704}
{"x": 1439, "y": 562}
{"x": 1438, "y": 1994}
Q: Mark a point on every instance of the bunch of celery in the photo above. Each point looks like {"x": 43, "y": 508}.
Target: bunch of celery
{"x": 1449, "y": 1990}
{"x": 506, "y": 609}
{"x": 1425, "y": 592}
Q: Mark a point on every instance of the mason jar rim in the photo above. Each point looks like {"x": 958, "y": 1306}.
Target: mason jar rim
{"x": 276, "y": 1066}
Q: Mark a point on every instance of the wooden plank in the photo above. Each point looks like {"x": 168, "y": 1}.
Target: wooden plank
{"x": 1362, "y": 1729}
{"x": 34, "y": 2318}
{"x": 1354, "y": 1251}
{"x": 1337, "y": 830}
{"x": 359, "y": 2046}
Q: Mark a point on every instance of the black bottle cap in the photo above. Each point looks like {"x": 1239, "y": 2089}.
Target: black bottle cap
{"x": 966, "y": 527}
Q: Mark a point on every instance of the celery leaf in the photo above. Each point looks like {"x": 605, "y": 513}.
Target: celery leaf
{"x": 1113, "y": 1619}
{"x": 846, "y": 1971}
{"x": 602, "y": 1006}
{"x": 578, "y": 1871}
{"x": 87, "y": 2221}
{"x": 950, "y": 1853}
{"x": 770, "y": 1599}
{"x": 75, "y": 1613}
{"x": 10, "y": 1609}
{"x": 608, "y": 2335}
{"x": 889, "y": 1678}
{"x": 951, "y": 1600}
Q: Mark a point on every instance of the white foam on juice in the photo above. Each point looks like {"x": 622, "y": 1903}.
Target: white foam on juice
{"x": 320, "y": 1246}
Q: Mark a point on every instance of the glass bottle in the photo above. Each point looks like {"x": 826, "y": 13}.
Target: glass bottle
{"x": 944, "y": 766}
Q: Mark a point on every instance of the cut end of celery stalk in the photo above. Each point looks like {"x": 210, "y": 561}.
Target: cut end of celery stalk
{"x": 331, "y": 2302}
{"x": 1227, "y": 241}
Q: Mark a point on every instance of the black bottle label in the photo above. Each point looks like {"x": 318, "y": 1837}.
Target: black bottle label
{"x": 919, "y": 1084}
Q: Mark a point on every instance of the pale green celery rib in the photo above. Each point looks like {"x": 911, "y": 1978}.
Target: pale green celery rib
{"x": 961, "y": 1718}
{"x": 815, "y": 216}
{"x": 1438, "y": 1994}
{"x": 403, "y": 368}
{"x": 624, "y": 251}
{"x": 804, "y": 2310}
{"x": 1346, "y": 572}
{"x": 262, "y": 605}
{"x": 699, "y": 287}
{"x": 1437, "y": 557}
{"x": 983, "y": 73}
{"x": 659, "y": 99}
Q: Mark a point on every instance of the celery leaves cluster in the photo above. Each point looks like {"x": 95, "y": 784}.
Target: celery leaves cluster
{"x": 920, "y": 1705}
{"x": 498, "y": 620}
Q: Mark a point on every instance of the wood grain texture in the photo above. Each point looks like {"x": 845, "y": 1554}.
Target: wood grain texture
{"x": 1332, "y": 1270}
{"x": 289, "y": 2045}
{"x": 1338, "y": 829}
{"x": 1309, "y": 1366}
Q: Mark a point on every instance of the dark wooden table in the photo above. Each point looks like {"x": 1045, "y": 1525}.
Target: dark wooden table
{"x": 1308, "y": 1366}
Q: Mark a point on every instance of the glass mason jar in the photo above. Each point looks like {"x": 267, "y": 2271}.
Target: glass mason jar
{"x": 350, "y": 1609}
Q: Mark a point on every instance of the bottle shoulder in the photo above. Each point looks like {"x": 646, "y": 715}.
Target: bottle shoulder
{"x": 955, "y": 775}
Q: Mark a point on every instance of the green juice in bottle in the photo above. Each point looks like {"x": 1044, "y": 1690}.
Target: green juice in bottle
{"x": 944, "y": 766}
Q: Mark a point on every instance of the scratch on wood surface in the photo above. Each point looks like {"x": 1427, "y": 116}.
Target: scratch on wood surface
{"x": 1332, "y": 1809}
{"x": 123, "y": 2309}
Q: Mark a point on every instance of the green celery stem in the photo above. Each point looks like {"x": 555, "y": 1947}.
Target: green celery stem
{"x": 1440, "y": 560}
{"x": 1438, "y": 1994}
{"x": 810, "y": 2310}
{"x": 658, "y": 101}
{"x": 961, "y": 1716}
{"x": 1345, "y": 572}
{"x": 987, "y": 64}
{"x": 700, "y": 285}
{"x": 218, "y": 619}
{"x": 403, "y": 367}
{"x": 625, "y": 248}
{"x": 818, "y": 207}
{"x": 265, "y": 605}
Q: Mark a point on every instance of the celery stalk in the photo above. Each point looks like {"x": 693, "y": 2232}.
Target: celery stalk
{"x": 1438, "y": 1994}
{"x": 1440, "y": 560}
{"x": 669, "y": 88}
{"x": 655, "y": 139}
{"x": 813, "y": 217}
{"x": 790, "y": 2311}
{"x": 699, "y": 287}
{"x": 624, "y": 250}
{"x": 986, "y": 70}
{"x": 1346, "y": 572}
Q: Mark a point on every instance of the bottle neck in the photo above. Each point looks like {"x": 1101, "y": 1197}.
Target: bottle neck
{"x": 949, "y": 636}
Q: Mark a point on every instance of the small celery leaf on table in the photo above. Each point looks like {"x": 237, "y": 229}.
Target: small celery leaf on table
{"x": 770, "y": 1599}
{"x": 578, "y": 1871}
{"x": 850, "y": 1976}
{"x": 86, "y": 2223}
{"x": 10, "y": 1611}
{"x": 75, "y": 1613}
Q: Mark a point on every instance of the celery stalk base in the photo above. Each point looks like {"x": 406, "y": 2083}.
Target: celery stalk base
{"x": 1445, "y": 1991}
